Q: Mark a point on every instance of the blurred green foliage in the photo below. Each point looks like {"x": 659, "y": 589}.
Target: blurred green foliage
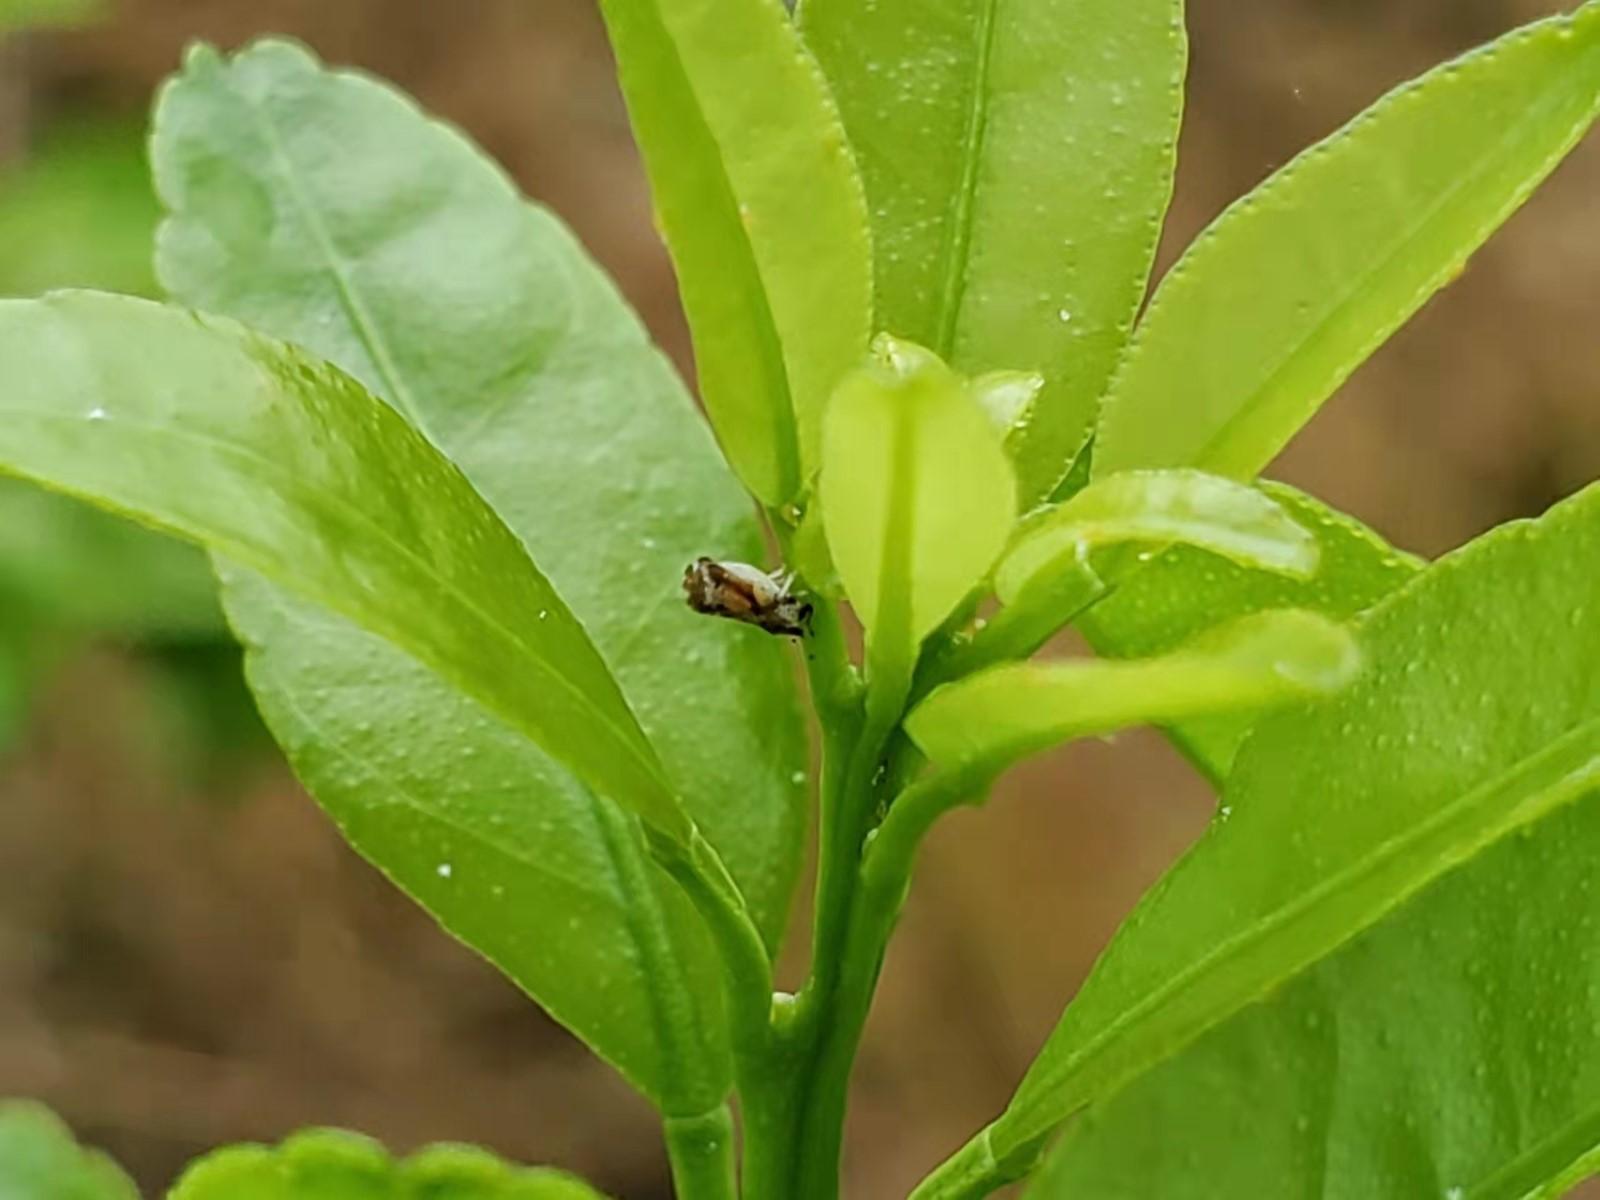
{"x": 78, "y": 211}
{"x": 30, "y": 14}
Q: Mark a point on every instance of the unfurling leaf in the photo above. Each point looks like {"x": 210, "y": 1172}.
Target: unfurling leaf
{"x": 917, "y": 496}
{"x": 1009, "y": 397}
{"x": 1183, "y": 590}
{"x": 1156, "y": 508}
{"x": 1001, "y": 715}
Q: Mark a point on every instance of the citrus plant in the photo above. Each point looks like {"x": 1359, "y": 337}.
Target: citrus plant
{"x": 451, "y": 491}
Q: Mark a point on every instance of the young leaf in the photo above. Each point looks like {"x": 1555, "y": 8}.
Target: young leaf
{"x": 1228, "y": 519}
{"x": 917, "y": 497}
{"x": 1009, "y": 397}
{"x": 483, "y": 318}
{"x": 330, "y": 1165}
{"x": 1293, "y": 287}
{"x": 762, "y": 210}
{"x": 1174, "y": 596}
{"x": 1018, "y": 161}
{"x": 1334, "y": 816}
{"x": 39, "y": 1160}
{"x": 199, "y": 427}
{"x": 1450, "y": 1051}
{"x": 1006, "y": 713}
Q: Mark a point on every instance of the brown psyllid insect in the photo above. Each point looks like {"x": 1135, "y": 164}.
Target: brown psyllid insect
{"x": 744, "y": 593}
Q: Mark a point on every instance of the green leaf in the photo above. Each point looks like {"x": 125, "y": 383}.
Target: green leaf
{"x": 77, "y": 211}
{"x": 1018, "y": 160}
{"x": 1450, "y": 1051}
{"x": 510, "y": 853}
{"x": 762, "y": 210}
{"x": 199, "y": 427}
{"x": 1174, "y": 596}
{"x": 330, "y": 1165}
{"x": 1294, "y": 286}
{"x": 1334, "y": 816}
{"x": 39, "y": 1160}
{"x": 1003, "y": 714}
{"x": 1155, "y": 507}
{"x": 917, "y": 497}
{"x": 544, "y": 389}
{"x": 1010, "y": 398}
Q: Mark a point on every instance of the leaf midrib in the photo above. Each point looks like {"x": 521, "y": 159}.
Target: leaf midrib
{"x": 361, "y": 320}
{"x": 963, "y": 214}
{"x": 1262, "y": 930}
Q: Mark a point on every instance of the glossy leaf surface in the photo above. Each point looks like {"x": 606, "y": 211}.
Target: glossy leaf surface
{"x": 552, "y": 884}
{"x": 40, "y": 1160}
{"x": 1010, "y": 398}
{"x": 761, "y": 207}
{"x": 1207, "y": 512}
{"x": 482, "y": 318}
{"x": 1005, "y": 713}
{"x": 917, "y": 496}
{"x": 1018, "y": 160}
{"x": 1292, "y": 288}
{"x": 202, "y": 428}
{"x": 1449, "y": 1052}
{"x": 1169, "y": 599}
{"x": 329, "y": 1165}
{"x": 577, "y": 431}
{"x": 1436, "y": 754}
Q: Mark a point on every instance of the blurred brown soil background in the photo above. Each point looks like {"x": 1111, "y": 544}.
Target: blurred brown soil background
{"x": 184, "y": 965}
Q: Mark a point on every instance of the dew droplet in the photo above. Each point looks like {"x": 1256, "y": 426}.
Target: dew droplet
{"x": 445, "y": 870}
{"x": 98, "y": 414}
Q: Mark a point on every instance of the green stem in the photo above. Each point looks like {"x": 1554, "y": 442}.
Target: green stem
{"x": 747, "y": 969}
{"x": 883, "y": 878}
{"x": 700, "y": 1149}
{"x": 968, "y": 1175}
{"x": 974, "y": 1172}
{"x": 847, "y": 812}
{"x": 769, "y": 1102}
{"x": 835, "y": 683}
